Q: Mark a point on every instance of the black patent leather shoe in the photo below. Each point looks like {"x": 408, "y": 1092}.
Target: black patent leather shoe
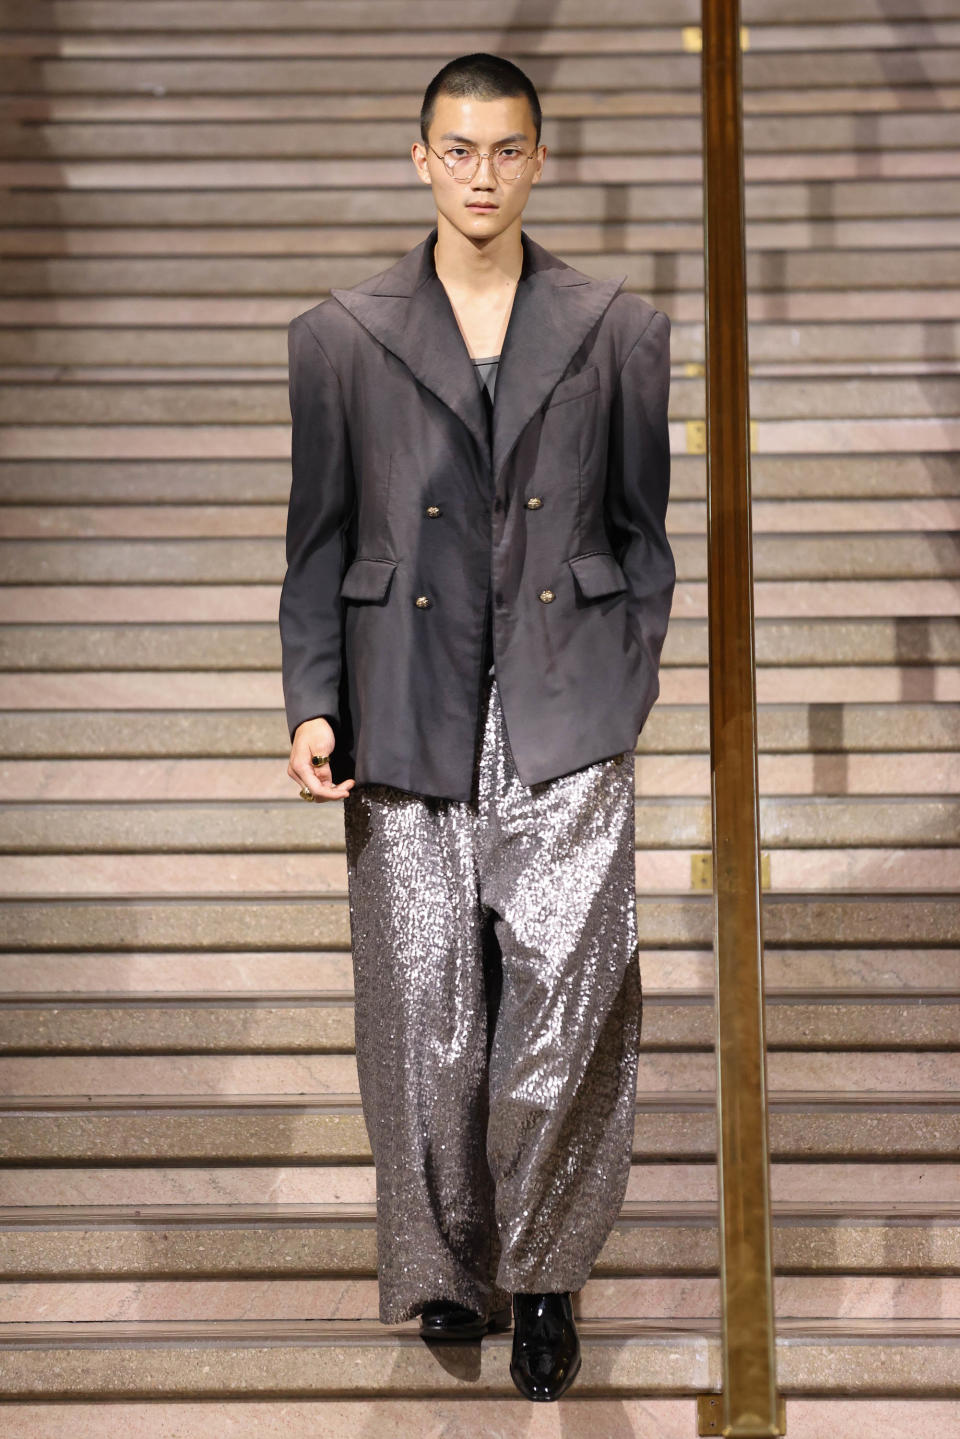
{"x": 546, "y": 1347}
{"x": 443, "y": 1319}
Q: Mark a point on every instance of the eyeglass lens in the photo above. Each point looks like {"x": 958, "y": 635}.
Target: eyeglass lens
{"x": 464, "y": 163}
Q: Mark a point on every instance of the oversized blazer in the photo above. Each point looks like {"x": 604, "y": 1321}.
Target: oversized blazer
{"x": 411, "y": 518}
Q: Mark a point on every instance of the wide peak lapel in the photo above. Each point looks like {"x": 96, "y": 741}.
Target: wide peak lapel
{"x": 554, "y": 309}
{"x": 408, "y": 310}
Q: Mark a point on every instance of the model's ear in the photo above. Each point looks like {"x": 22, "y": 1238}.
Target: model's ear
{"x": 420, "y": 161}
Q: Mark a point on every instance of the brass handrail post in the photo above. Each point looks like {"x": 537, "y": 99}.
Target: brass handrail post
{"x": 751, "y": 1405}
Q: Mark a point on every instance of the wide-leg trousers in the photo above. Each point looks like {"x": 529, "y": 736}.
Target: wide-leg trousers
{"x": 498, "y": 1009}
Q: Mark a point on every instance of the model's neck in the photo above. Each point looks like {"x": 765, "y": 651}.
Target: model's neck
{"x": 464, "y": 265}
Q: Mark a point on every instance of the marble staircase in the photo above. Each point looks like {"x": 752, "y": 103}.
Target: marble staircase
{"x": 187, "y": 1240}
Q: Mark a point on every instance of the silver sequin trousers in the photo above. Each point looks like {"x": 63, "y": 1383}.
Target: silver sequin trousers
{"x": 498, "y": 1008}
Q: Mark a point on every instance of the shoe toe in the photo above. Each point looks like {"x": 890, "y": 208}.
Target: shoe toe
{"x": 546, "y": 1353}
{"x": 443, "y": 1319}
{"x": 546, "y": 1378}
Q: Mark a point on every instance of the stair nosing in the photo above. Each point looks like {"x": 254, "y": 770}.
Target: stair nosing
{"x": 689, "y": 1101}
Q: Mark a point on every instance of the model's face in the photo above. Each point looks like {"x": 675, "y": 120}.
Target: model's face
{"x": 485, "y": 206}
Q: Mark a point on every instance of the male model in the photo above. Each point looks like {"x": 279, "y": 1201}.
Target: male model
{"x": 477, "y": 593}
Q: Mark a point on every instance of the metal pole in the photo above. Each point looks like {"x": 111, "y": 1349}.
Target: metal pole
{"x": 751, "y": 1405}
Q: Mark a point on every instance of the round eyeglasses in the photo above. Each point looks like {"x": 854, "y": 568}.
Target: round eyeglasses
{"x": 463, "y": 161}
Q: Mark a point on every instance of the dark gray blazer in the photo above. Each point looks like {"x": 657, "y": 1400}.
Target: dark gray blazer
{"x": 405, "y": 522}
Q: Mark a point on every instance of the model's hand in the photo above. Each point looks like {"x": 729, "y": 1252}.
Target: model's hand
{"x": 312, "y": 737}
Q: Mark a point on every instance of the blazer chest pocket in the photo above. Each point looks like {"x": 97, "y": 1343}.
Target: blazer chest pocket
{"x": 598, "y": 573}
{"x": 577, "y": 385}
{"x": 367, "y": 579}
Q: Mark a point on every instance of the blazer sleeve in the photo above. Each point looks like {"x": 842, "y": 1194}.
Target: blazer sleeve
{"x": 638, "y": 484}
{"x": 321, "y": 502}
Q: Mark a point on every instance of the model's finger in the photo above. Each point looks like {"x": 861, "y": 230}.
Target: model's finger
{"x": 317, "y": 779}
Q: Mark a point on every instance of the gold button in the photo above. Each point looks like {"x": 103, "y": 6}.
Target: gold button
{"x": 534, "y": 502}
{"x": 422, "y": 602}
{"x": 433, "y": 510}
{"x": 547, "y": 596}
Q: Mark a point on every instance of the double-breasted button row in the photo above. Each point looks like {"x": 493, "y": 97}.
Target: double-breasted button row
{"x": 424, "y": 602}
{"x": 534, "y": 503}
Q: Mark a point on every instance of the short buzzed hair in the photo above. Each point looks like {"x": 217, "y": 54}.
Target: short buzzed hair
{"x": 483, "y": 76}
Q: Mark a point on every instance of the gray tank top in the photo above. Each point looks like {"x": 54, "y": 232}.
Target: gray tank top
{"x": 487, "y": 373}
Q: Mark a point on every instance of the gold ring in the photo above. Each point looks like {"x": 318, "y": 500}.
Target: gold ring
{"x": 306, "y": 794}
{"x": 319, "y": 759}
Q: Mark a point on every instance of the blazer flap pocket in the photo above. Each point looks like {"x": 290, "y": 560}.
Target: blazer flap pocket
{"x": 598, "y": 573}
{"x": 367, "y": 579}
{"x": 583, "y": 383}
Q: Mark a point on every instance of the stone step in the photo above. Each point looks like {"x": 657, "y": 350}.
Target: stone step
{"x": 328, "y": 1128}
{"x": 580, "y": 241}
{"x": 261, "y": 482}
{"x": 628, "y": 166}
{"x": 356, "y": 214}
{"x": 322, "y": 1023}
{"x": 684, "y": 517}
{"x": 894, "y": 1068}
{"x": 843, "y": 973}
{"x": 687, "y": 517}
{"x": 828, "y": 599}
{"x": 669, "y": 1184}
{"x": 854, "y": 1071}
{"x": 189, "y": 351}
{"x": 339, "y": 1240}
{"x": 913, "y": 640}
{"x": 236, "y": 604}
{"x": 933, "y": 554}
{"x": 250, "y": 400}
{"x": 307, "y": 922}
{"x": 882, "y": 305}
{"x": 569, "y": 104}
{"x": 165, "y": 690}
{"x": 656, "y": 776}
{"x": 375, "y": 16}
{"x": 554, "y": 42}
{"x": 350, "y": 139}
{"x": 184, "y": 779}
{"x": 303, "y": 1357}
{"x": 790, "y": 600}
{"x": 228, "y": 275}
{"x": 813, "y": 869}
{"x": 261, "y": 826}
{"x": 911, "y": 148}
{"x": 638, "y": 34}
{"x": 283, "y": 1297}
{"x": 668, "y": 1418}
{"x": 813, "y": 731}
